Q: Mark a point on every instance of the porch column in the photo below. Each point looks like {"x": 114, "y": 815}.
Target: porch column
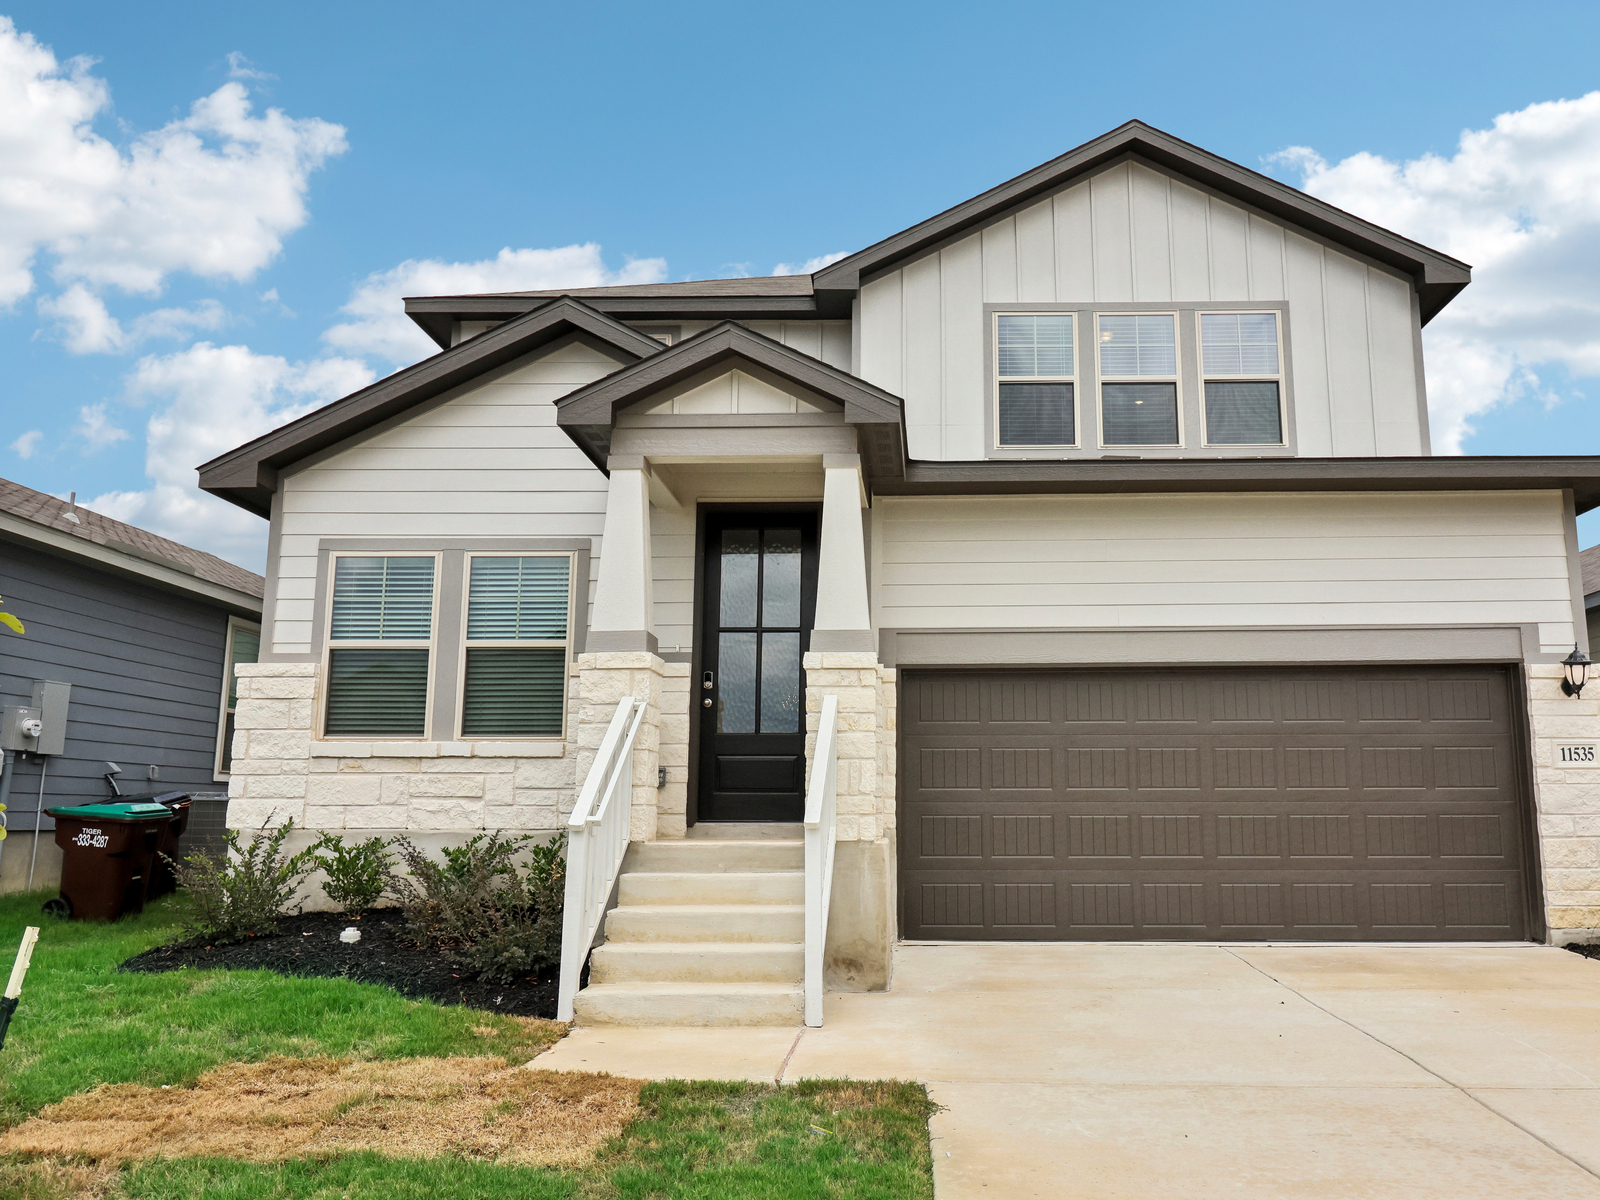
{"x": 622, "y": 597}
{"x": 843, "y": 620}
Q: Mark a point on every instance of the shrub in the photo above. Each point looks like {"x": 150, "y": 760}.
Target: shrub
{"x": 495, "y": 920}
{"x": 246, "y": 891}
{"x": 359, "y": 873}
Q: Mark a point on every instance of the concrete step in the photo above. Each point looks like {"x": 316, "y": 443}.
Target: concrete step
{"x": 690, "y": 1004}
{"x": 698, "y": 962}
{"x": 711, "y": 887}
{"x": 706, "y": 923}
{"x": 716, "y": 854}
{"x": 746, "y": 831}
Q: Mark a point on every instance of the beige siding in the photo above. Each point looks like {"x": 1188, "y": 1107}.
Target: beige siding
{"x": 827, "y": 340}
{"x": 1223, "y": 560}
{"x": 489, "y": 461}
{"x": 1134, "y": 235}
{"x": 672, "y": 554}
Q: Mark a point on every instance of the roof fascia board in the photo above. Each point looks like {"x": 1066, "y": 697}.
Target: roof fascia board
{"x": 247, "y": 475}
{"x": 68, "y": 545}
{"x": 1496, "y": 473}
{"x": 434, "y": 313}
{"x": 1438, "y": 275}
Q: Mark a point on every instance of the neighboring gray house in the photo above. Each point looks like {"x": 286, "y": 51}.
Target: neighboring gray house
{"x": 1590, "y": 559}
{"x": 141, "y": 628}
{"x": 1104, "y": 503}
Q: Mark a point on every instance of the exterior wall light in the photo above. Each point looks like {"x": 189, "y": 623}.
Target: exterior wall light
{"x": 1576, "y": 666}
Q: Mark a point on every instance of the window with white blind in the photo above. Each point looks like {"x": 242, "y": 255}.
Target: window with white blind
{"x": 243, "y": 646}
{"x": 380, "y": 646}
{"x": 1035, "y": 388}
{"x": 517, "y": 634}
{"x": 1138, "y": 359}
{"x": 1241, "y": 367}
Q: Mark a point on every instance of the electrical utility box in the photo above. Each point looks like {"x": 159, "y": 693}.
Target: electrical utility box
{"x": 15, "y": 723}
{"x": 51, "y": 699}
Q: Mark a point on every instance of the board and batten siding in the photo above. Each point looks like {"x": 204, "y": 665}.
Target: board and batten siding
{"x": 1223, "y": 560}
{"x": 826, "y": 340}
{"x": 489, "y": 461}
{"x": 1132, "y": 234}
{"x": 145, "y": 667}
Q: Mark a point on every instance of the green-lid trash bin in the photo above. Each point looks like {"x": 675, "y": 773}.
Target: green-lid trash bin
{"x": 108, "y": 855}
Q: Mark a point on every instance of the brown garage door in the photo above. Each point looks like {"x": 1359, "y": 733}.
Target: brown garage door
{"x": 1347, "y": 804}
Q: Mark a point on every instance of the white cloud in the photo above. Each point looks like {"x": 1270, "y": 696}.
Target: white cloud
{"x": 97, "y": 429}
{"x": 213, "y": 193}
{"x": 215, "y": 398}
{"x": 86, "y": 327}
{"x": 1520, "y": 201}
{"x": 811, "y": 265}
{"x": 381, "y": 328}
{"x": 240, "y": 67}
{"x": 27, "y": 445}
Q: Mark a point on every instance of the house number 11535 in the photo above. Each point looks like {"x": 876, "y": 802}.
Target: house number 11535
{"x": 1577, "y": 754}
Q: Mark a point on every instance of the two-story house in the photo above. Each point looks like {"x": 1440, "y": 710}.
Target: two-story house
{"x": 1103, "y": 501}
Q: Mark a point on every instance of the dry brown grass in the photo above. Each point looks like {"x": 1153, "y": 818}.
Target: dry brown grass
{"x": 407, "y": 1108}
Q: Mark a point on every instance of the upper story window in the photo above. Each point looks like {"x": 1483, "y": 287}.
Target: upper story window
{"x": 514, "y": 668}
{"x": 1036, "y": 393}
{"x": 1240, "y": 362}
{"x": 1138, "y": 379}
{"x": 380, "y": 646}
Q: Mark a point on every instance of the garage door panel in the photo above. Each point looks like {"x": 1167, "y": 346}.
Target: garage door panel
{"x": 1319, "y": 805}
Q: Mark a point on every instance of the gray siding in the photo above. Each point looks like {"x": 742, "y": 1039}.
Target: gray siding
{"x": 146, "y": 673}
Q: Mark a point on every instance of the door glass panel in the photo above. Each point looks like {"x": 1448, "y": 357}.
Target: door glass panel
{"x": 780, "y": 682}
{"x": 780, "y": 580}
{"x": 736, "y": 687}
{"x": 741, "y": 549}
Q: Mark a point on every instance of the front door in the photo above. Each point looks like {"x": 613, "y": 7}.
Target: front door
{"x": 760, "y": 593}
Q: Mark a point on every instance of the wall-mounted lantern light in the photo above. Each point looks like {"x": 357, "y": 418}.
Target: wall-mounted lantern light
{"x": 1576, "y": 666}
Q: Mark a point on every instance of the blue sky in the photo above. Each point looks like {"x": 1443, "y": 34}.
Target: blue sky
{"x": 695, "y": 141}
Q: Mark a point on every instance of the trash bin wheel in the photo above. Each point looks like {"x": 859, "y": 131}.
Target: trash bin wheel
{"x": 59, "y": 907}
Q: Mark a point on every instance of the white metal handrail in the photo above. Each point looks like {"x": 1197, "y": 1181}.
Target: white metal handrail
{"x": 597, "y": 838}
{"x": 821, "y": 833}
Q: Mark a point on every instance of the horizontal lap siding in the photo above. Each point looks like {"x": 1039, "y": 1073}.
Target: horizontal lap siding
{"x": 146, "y": 673}
{"x": 489, "y": 462}
{"x": 1224, "y": 560}
{"x": 1134, "y": 235}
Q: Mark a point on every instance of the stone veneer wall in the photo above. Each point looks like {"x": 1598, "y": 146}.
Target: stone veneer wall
{"x": 862, "y": 921}
{"x": 1567, "y": 800}
{"x": 281, "y": 771}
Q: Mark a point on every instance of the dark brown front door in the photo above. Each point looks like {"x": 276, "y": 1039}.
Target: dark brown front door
{"x": 760, "y": 591}
{"x": 1332, "y": 804}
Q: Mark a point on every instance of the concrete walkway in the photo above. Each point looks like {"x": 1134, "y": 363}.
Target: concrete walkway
{"x": 1205, "y": 1071}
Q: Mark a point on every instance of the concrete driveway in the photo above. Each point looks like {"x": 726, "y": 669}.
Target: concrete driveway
{"x": 1205, "y": 1071}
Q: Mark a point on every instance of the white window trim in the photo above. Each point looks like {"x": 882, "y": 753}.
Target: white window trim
{"x": 329, "y": 645}
{"x": 464, "y": 644}
{"x": 1240, "y": 376}
{"x": 1077, "y": 391}
{"x": 235, "y": 624}
{"x": 1175, "y": 379}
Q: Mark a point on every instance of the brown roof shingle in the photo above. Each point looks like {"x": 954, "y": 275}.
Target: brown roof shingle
{"x": 1589, "y": 560}
{"x": 44, "y": 509}
{"x": 755, "y": 285}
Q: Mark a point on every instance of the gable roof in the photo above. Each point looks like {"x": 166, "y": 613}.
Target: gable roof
{"x": 589, "y": 413}
{"x": 43, "y": 520}
{"x": 248, "y": 475}
{"x": 828, "y": 293}
{"x": 1438, "y": 276}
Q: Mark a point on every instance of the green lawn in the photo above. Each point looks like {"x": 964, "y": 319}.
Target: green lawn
{"x": 82, "y": 1022}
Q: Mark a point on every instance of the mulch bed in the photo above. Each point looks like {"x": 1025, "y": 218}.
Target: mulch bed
{"x": 309, "y": 945}
{"x": 1590, "y": 951}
